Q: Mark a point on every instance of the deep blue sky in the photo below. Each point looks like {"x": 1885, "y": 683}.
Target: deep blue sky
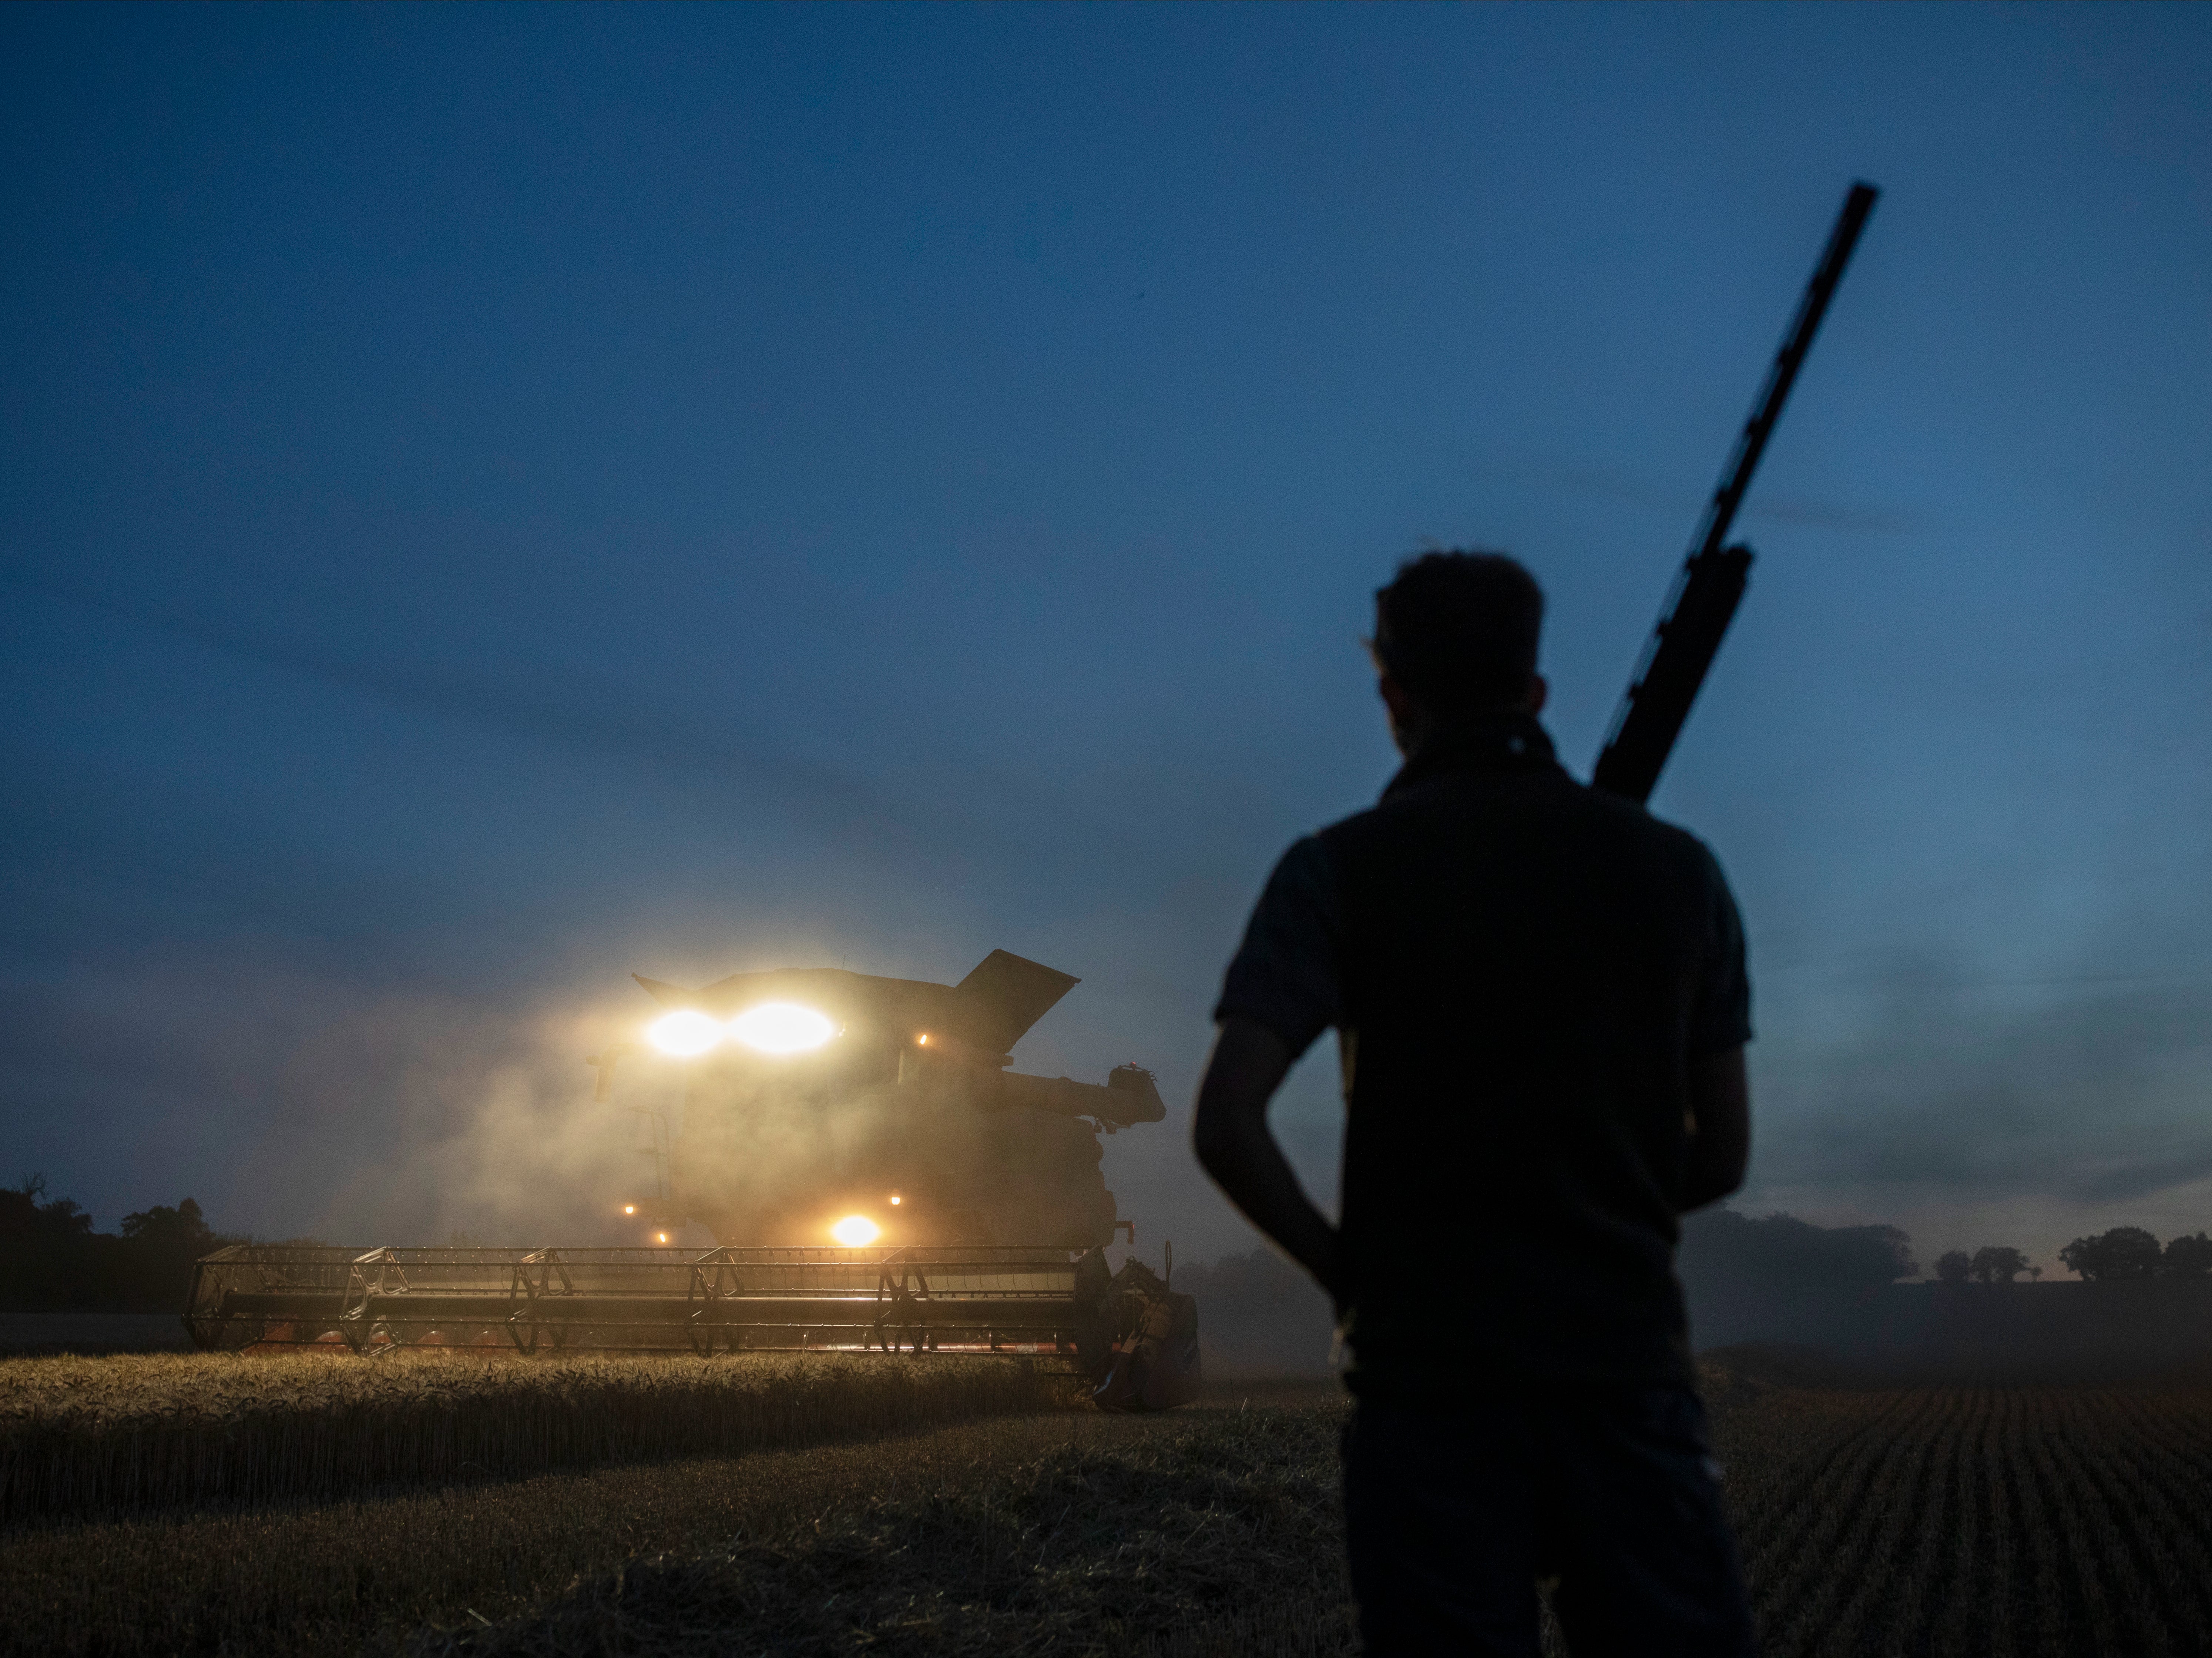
{"x": 495, "y": 499}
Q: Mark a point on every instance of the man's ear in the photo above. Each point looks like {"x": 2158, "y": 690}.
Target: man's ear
{"x": 1533, "y": 699}
{"x": 1409, "y": 720}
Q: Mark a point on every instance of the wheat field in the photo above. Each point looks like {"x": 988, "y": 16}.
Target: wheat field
{"x": 121, "y": 1435}
{"x": 1062, "y": 1532}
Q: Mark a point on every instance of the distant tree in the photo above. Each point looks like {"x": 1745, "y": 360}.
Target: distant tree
{"x": 160, "y": 1245}
{"x": 51, "y": 1260}
{"x": 1953, "y": 1265}
{"x": 2125, "y": 1252}
{"x": 182, "y": 1230}
{"x": 1775, "y": 1277}
{"x": 1787, "y": 1251}
{"x": 2186, "y": 1257}
{"x": 50, "y": 1256}
{"x": 1881, "y": 1254}
{"x": 1996, "y": 1263}
{"x": 24, "y": 1219}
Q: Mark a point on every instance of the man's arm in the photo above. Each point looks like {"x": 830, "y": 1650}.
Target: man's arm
{"x": 1720, "y": 1128}
{"x": 1248, "y": 1065}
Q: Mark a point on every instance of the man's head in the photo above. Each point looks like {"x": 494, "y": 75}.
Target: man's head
{"x": 1456, "y": 637}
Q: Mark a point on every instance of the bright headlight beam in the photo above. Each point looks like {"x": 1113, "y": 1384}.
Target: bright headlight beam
{"x": 685, "y": 1033}
{"x": 781, "y": 1028}
{"x": 856, "y": 1231}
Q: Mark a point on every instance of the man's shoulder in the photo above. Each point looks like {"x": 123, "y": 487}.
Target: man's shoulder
{"x": 1552, "y": 794}
{"x": 1657, "y": 831}
{"x": 1305, "y": 873}
{"x": 1552, "y": 791}
{"x": 1658, "y": 844}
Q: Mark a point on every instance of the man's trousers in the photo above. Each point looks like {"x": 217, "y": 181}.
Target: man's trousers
{"x": 1453, "y": 1516}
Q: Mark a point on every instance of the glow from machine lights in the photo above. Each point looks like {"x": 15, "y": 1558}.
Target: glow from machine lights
{"x": 894, "y": 1200}
{"x": 771, "y": 1027}
{"x": 781, "y": 1028}
{"x": 663, "y": 1237}
{"x": 685, "y": 1033}
{"x": 629, "y": 1208}
{"x": 856, "y": 1231}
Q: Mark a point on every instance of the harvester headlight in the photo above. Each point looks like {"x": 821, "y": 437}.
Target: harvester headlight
{"x": 856, "y": 1231}
{"x": 781, "y": 1028}
{"x": 685, "y": 1033}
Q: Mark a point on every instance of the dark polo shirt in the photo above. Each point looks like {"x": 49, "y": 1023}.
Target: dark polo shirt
{"x": 1520, "y": 970}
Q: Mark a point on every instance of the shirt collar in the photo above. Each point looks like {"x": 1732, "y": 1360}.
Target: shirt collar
{"x": 1489, "y": 742}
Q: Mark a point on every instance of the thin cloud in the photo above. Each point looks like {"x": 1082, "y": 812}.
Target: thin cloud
{"x": 603, "y": 725}
{"x": 972, "y": 807}
{"x": 1608, "y": 485}
{"x": 2089, "y": 1097}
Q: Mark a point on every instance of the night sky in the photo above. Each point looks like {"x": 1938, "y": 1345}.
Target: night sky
{"x": 498, "y": 499}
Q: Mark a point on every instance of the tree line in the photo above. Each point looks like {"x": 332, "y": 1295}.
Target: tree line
{"x": 2125, "y": 1252}
{"x": 2131, "y": 1252}
{"x": 52, "y": 1261}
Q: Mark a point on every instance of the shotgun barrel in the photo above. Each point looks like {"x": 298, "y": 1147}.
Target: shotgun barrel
{"x": 1710, "y": 583}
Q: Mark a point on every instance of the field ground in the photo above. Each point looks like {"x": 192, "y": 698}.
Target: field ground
{"x": 2052, "y": 1521}
{"x": 1938, "y": 1519}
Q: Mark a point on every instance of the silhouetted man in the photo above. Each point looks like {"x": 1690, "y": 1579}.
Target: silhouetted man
{"x": 1540, "y": 996}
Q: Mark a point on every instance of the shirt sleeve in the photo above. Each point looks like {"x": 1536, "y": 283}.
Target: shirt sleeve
{"x": 1286, "y": 974}
{"x": 1720, "y": 1015}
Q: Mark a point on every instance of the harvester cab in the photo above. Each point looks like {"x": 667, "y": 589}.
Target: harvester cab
{"x": 824, "y": 1106}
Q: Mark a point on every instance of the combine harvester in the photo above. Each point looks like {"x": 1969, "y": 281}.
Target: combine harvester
{"x": 874, "y": 1174}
